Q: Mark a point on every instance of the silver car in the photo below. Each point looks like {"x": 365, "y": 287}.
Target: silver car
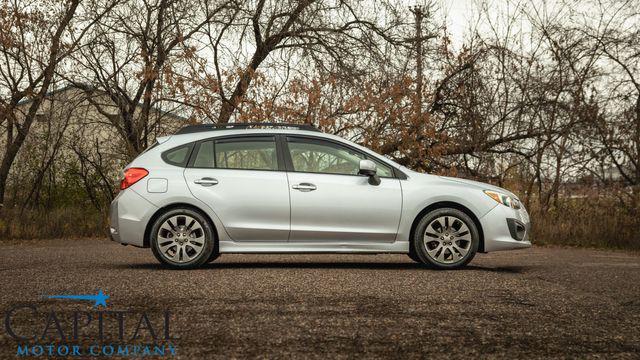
{"x": 279, "y": 188}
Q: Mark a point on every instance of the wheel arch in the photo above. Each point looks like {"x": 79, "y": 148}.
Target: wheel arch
{"x": 166, "y": 208}
{"x": 448, "y": 204}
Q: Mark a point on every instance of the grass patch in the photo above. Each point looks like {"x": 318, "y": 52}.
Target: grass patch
{"x": 66, "y": 222}
{"x": 587, "y": 222}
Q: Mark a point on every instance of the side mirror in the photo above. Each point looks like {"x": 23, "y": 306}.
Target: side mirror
{"x": 369, "y": 168}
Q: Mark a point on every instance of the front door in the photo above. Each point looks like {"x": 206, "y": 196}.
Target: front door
{"x": 240, "y": 179}
{"x": 330, "y": 202}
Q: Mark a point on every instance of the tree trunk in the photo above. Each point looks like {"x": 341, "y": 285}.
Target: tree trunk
{"x": 229, "y": 105}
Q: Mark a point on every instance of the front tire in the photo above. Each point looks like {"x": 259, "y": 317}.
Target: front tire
{"x": 412, "y": 255}
{"x": 446, "y": 238}
{"x": 182, "y": 238}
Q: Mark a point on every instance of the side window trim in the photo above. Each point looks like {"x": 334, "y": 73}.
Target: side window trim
{"x": 289, "y": 160}
{"x": 194, "y": 154}
{"x": 285, "y": 163}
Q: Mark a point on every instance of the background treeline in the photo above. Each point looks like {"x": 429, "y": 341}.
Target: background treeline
{"x": 542, "y": 97}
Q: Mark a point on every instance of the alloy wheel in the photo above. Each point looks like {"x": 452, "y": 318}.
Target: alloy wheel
{"x": 447, "y": 239}
{"x": 181, "y": 238}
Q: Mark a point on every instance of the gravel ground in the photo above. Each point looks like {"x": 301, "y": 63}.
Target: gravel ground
{"x": 534, "y": 303}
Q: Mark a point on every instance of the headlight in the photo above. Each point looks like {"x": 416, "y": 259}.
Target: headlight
{"x": 504, "y": 199}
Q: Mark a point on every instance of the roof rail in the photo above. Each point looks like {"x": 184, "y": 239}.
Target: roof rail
{"x": 232, "y": 126}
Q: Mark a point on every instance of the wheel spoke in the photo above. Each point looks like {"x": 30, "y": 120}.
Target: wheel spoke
{"x": 166, "y": 226}
{"x": 198, "y": 239}
{"x": 462, "y": 230}
{"x": 434, "y": 251}
{"x": 440, "y": 256}
{"x": 166, "y": 246}
{"x": 456, "y": 256}
{"x": 194, "y": 251}
{"x": 176, "y": 255}
{"x": 462, "y": 250}
{"x": 173, "y": 223}
{"x": 194, "y": 226}
{"x": 196, "y": 243}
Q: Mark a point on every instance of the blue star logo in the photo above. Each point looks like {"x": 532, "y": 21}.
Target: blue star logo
{"x": 99, "y": 299}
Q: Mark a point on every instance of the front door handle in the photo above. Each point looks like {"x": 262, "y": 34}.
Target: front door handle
{"x": 305, "y": 187}
{"x": 206, "y": 181}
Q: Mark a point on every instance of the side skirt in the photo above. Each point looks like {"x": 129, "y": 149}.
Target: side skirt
{"x": 399, "y": 247}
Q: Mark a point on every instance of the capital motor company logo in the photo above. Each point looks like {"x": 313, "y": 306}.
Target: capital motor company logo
{"x": 94, "y": 331}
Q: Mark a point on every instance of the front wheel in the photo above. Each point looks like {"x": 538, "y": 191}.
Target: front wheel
{"x": 446, "y": 238}
{"x": 182, "y": 238}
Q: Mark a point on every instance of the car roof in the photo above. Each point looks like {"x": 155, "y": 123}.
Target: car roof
{"x": 243, "y": 126}
{"x": 196, "y": 136}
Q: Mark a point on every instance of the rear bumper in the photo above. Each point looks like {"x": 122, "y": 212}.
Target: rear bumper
{"x": 506, "y": 229}
{"x": 129, "y": 214}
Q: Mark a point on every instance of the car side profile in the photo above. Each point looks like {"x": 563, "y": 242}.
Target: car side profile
{"x": 283, "y": 188}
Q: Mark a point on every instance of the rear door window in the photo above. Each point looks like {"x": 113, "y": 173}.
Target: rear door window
{"x": 252, "y": 153}
{"x": 247, "y": 153}
{"x": 205, "y": 157}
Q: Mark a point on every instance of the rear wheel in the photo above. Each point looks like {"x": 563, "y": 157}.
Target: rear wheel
{"x": 182, "y": 238}
{"x": 446, "y": 238}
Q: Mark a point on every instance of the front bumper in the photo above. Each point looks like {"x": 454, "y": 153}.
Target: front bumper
{"x": 506, "y": 229}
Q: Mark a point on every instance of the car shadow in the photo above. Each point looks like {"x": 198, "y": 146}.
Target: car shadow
{"x": 325, "y": 265}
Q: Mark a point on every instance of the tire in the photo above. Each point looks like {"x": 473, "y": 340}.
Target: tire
{"x": 446, "y": 238}
{"x": 214, "y": 255}
{"x": 182, "y": 238}
{"x": 412, "y": 255}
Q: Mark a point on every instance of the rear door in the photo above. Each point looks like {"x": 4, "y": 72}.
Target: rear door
{"x": 242, "y": 179}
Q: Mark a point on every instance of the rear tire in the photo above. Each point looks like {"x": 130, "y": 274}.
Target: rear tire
{"x": 182, "y": 238}
{"x": 446, "y": 238}
{"x": 213, "y": 257}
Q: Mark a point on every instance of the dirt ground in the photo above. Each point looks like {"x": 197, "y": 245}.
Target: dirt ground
{"x": 534, "y": 303}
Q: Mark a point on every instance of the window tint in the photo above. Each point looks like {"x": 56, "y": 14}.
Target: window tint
{"x": 177, "y": 156}
{"x": 204, "y": 157}
{"x": 384, "y": 170}
{"x": 257, "y": 153}
{"x": 317, "y": 156}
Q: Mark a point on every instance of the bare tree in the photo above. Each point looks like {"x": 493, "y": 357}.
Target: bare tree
{"x": 334, "y": 37}
{"x": 31, "y": 48}
{"x": 35, "y": 38}
{"x": 127, "y": 54}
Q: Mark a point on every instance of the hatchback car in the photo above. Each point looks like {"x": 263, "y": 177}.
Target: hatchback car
{"x": 282, "y": 188}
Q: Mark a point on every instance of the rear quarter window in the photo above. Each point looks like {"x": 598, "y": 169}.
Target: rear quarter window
{"x": 178, "y": 156}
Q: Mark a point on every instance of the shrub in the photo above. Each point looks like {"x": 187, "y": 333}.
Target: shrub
{"x": 594, "y": 221}
{"x": 64, "y": 222}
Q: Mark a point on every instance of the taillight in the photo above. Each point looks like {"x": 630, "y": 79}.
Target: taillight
{"x": 132, "y": 176}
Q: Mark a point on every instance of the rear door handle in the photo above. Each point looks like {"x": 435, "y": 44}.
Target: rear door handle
{"x": 304, "y": 187}
{"x": 206, "y": 181}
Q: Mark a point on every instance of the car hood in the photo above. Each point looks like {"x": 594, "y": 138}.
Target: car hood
{"x": 480, "y": 185}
